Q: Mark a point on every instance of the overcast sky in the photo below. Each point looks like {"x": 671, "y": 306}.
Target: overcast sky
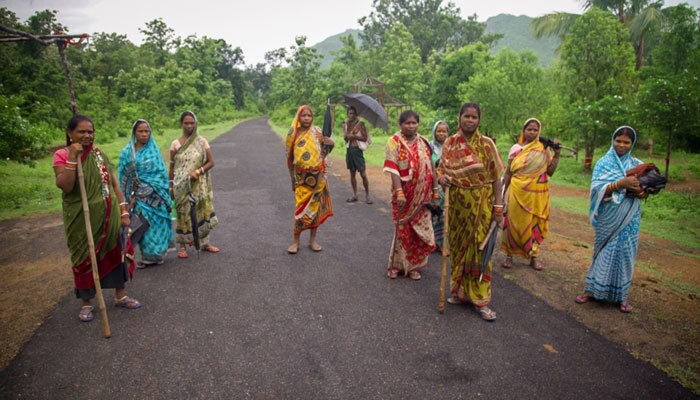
{"x": 256, "y": 26}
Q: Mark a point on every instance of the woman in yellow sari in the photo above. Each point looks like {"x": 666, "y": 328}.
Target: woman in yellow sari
{"x": 530, "y": 165}
{"x": 306, "y": 153}
{"x": 471, "y": 166}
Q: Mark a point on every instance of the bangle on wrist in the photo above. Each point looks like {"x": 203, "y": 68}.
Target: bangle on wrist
{"x": 69, "y": 168}
{"x": 203, "y": 170}
{"x": 71, "y": 162}
{"x": 125, "y": 214}
{"x": 436, "y": 196}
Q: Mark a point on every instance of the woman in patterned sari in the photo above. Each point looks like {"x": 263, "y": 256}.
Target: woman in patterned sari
{"x": 108, "y": 212}
{"x": 530, "y": 165}
{"x": 144, "y": 181}
{"x": 615, "y": 218}
{"x": 307, "y": 149}
{"x": 471, "y": 166}
{"x": 408, "y": 161}
{"x": 190, "y": 162}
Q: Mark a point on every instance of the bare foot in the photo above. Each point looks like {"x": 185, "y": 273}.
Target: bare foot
{"x": 508, "y": 263}
{"x": 293, "y": 248}
{"x": 315, "y": 246}
{"x": 536, "y": 265}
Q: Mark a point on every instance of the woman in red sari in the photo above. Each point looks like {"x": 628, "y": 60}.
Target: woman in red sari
{"x": 409, "y": 162}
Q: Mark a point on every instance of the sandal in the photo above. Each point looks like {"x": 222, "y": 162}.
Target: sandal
{"x": 486, "y": 313}
{"x": 536, "y": 265}
{"x": 351, "y": 200}
{"x": 369, "y": 201}
{"x": 182, "y": 253}
{"x": 625, "y": 307}
{"x": 583, "y": 298}
{"x": 293, "y": 248}
{"x": 128, "y": 302}
{"x": 392, "y": 273}
{"x": 508, "y": 263}
{"x": 210, "y": 248}
{"x": 415, "y": 275}
{"x": 456, "y": 300}
{"x": 86, "y": 314}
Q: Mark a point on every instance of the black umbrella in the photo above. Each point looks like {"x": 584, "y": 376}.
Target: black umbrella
{"x": 368, "y": 108}
{"x": 193, "y": 217}
{"x": 327, "y": 123}
{"x": 487, "y": 247}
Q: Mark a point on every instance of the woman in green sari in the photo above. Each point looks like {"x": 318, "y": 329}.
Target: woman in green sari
{"x": 190, "y": 162}
{"x": 471, "y": 166}
{"x": 108, "y": 213}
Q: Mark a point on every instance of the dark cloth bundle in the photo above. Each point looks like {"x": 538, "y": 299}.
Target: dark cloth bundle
{"x": 649, "y": 177}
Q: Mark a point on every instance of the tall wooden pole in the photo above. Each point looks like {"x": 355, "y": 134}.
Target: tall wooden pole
{"x": 445, "y": 251}
{"x": 106, "y": 331}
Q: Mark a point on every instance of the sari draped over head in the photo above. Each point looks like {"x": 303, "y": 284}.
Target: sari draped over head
{"x": 105, "y": 220}
{"x": 414, "y": 239}
{"x": 190, "y": 156}
{"x": 143, "y": 178}
{"x": 472, "y": 165}
{"x": 527, "y": 217}
{"x": 306, "y": 162}
{"x": 437, "y": 214}
{"x": 616, "y": 220}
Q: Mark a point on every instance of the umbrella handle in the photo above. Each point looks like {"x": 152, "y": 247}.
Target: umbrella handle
{"x": 488, "y": 235}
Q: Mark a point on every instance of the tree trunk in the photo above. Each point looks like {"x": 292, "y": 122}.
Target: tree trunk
{"x": 640, "y": 54}
{"x": 588, "y": 159}
{"x": 668, "y": 151}
{"x": 69, "y": 80}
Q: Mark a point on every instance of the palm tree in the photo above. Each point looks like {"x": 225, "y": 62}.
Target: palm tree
{"x": 642, "y": 17}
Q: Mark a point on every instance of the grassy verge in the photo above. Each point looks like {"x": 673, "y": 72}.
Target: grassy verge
{"x": 28, "y": 190}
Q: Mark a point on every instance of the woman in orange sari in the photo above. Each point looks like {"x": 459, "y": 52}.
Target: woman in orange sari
{"x": 530, "y": 165}
{"x": 306, "y": 159}
{"x": 471, "y": 166}
{"x": 408, "y": 161}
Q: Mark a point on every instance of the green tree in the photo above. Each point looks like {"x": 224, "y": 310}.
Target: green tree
{"x": 159, "y": 40}
{"x": 294, "y": 84}
{"x": 597, "y": 63}
{"x": 401, "y": 69}
{"x": 510, "y": 88}
{"x": 642, "y": 17}
{"x": 669, "y": 96}
{"x": 434, "y": 26}
{"x": 457, "y": 68}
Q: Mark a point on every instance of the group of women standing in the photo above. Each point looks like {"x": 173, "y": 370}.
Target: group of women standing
{"x": 465, "y": 172}
{"x": 143, "y": 189}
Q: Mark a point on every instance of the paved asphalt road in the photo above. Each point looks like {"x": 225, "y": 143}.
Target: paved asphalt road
{"x": 254, "y": 322}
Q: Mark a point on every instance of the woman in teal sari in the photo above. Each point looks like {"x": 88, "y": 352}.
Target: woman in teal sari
{"x": 615, "y": 217}
{"x": 144, "y": 180}
{"x": 107, "y": 211}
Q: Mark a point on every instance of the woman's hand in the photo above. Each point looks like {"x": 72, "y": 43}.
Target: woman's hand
{"x": 445, "y": 181}
{"x": 499, "y": 219}
{"x": 328, "y": 141}
{"x": 630, "y": 183}
{"x": 194, "y": 175}
{"x": 125, "y": 220}
{"x": 74, "y": 150}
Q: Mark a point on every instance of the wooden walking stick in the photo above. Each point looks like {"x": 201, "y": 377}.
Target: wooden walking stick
{"x": 445, "y": 251}
{"x": 106, "y": 331}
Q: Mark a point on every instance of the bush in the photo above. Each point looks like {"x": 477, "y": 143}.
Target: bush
{"x": 19, "y": 139}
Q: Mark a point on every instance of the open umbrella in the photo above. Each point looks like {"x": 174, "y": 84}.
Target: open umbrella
{"x": 193, "y": 217}
{"x": 368, "y": 108}
{"x": 487, "y": 247}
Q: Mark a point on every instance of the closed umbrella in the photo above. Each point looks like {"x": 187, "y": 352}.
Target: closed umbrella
{"x": 487, "y": 247}
{"x": 368, "y": 108}
{"x": 327, "y": 123}
{"x": 193, "y": 217}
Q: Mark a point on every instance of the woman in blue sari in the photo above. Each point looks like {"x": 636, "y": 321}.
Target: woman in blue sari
{"x": 615, "y": 216}
{"x": 144, "y": 180}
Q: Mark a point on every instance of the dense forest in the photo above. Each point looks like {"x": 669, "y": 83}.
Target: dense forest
{"x": 620, "y": 62}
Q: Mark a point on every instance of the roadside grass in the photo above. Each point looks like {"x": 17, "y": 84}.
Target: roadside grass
{"x": 30, "y": 189}
{"x": 682, "y": 289}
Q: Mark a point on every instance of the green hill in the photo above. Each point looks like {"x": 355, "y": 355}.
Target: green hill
{"x": 332, "y": 44}
{"x": 518, "y": 35}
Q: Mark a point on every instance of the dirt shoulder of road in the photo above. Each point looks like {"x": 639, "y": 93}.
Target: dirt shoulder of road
{"x": 663, "y": 328}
